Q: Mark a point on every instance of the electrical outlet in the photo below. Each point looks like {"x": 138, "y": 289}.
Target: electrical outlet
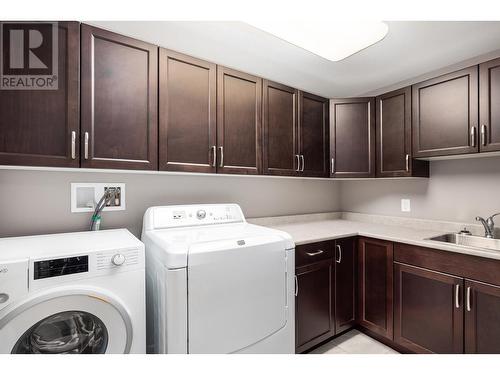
{"x": 405, "y": 205}
{"x": 84, "y": 196}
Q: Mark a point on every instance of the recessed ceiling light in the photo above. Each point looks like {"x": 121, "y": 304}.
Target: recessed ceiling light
{"x": 331, "y": 40}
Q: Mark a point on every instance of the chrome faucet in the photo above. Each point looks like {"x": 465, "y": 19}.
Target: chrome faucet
{"x": 489, "y": 225}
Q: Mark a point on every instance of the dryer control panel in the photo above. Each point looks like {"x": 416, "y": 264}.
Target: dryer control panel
{"x": 192, "y": 215}
{"x": 13, "y": 281}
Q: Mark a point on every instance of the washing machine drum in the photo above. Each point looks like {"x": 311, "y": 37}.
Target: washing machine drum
{"x": 65, "y": 332}
{"x": 69, "y": 322}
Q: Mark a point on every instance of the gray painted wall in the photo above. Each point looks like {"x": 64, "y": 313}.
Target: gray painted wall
{"x": 35, "y": 202}
{"x": 458, "y": 190}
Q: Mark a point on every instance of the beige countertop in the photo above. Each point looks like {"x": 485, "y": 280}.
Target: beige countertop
{"x": 322, "y": 227}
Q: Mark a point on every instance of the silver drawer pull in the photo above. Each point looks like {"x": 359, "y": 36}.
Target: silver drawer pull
{"x": 214, "y": 155}
{"x": 73, "y": 145}
{"x": 468, "y": 298}
{"x": 407, "y": 163}
{"x": 302, "y": 158}
{"x": 457, "y": 296}
{"x": 473, "y": 136}
{"x": 298, "y": 163}
{"x": 332, "y": 165}
{"x": 221, "y": 161}
{"x": 315, "y": 253}
{"x": 340, "y": 254}
{"x": 86, "y": 145}
{"x": 483, "y": 135}
{"x": 296, "y": 286}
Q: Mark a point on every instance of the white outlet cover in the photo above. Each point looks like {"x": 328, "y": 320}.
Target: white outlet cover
{"x": 405, "y": 205}
{"x": 85, "y": 195}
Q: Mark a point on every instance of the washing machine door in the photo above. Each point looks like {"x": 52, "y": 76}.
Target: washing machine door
{"x": 236, "y": 293}
{"x": 67, "y": 322}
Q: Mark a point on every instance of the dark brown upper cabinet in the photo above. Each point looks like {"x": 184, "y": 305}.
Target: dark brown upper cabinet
{"x": 280, "y": 153}
{"x": 345, "y": 284}
{"x": 187, "y": 102}
{"x": 489, "y": 105}
{"x": 482, "y": 312}
{"x": 428, "y": 310}
{"x": 119, "y": 101}
{"x": 445, "y": 115}
{"x": 239, "y": 120}
{"x": 375, "y": 280}
{"x": 41, "y": 127}
{"x": 393, "y": 133}
{"x": 313, "y": 135}
{"x": 352, "y": 137}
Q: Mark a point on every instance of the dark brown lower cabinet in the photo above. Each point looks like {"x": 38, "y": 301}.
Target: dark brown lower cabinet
{"x": 428, "y": 310}
{"x": 375, "y": 278}
{"x": 313, "y": 307}
{"x": 345, "y": 284}
{"x": 482, "y": 318}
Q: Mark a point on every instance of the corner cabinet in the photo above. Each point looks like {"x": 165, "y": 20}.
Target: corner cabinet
{"x": 445, "y": 115}
{"x": 42, "y": 127}
{"x": 393, "y": 134}
{"x": 119, "y": 113}
{"x": 352, "y": 137}
{"x": 375, "y": 278}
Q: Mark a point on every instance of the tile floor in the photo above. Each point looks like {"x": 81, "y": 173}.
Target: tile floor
{"x": 353, "y": 342}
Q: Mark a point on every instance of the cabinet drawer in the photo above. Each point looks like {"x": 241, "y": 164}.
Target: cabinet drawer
{"x": 468, "y": 266}
{"x": 313, "y": 252}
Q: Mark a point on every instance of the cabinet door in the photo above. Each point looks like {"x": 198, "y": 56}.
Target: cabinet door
{"x": 41, "y": 127}
{"x": 345, "y": 284}
{"x": 482, "y": 318}
{"x": 428, "y": 310}
{"x": 375, "y": 278}
{"x": 313, "y": 304}
{"x": 187, "y": 113}
{"x": 352, "y": 137}
{"x": 445, "y": 114}
{"x": 119, "y": 101}
{"x": 239, "y": 131}
{"x": 394, "y": 157}
{"x": 280, "y": 154}
{"x": 313, "y": 135}
{"x": 489, "y": 105}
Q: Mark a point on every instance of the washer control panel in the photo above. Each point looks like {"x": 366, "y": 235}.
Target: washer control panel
{"x": 193, "y": 215}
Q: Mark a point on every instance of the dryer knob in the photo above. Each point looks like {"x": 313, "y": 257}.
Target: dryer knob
{"x": 118, "y": 259}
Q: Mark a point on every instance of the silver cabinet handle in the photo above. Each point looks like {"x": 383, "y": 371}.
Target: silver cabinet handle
{"x": 457, "y": 296}
{"x": 296, "y": 286}
{"x": 407, "y": 163}
{"x": 468, "y": 298}
{"x": 332, "y": 165}
{"x": 214, "y": 155}
{"x": 221, "y": 162}
{"x": 483, "y": 135}
{"x": 73, "y": 145}
{"x": 340, "y": 254}
{"x": 298, "y": 163}
{"x": 473, "y": 136}
{"x": 315, "y": 253}
{"x": 302, "y": 158}
{"x": 86, "y": 145}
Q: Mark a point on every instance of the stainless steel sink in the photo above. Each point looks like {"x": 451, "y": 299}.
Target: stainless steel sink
{"x": 468, "y": 240}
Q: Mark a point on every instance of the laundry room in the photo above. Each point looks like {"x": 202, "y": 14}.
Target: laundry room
{"x": 316, "y": 182}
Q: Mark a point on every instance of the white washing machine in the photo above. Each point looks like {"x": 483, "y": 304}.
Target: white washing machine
{"x": 72, "y": 293}
{"x": 217, "y": 284}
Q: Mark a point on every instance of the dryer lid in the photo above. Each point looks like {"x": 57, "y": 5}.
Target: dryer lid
{"x": 237, "y": 293}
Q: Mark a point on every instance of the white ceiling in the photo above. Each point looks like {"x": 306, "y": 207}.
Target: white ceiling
{"x": 409, "y": 52}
